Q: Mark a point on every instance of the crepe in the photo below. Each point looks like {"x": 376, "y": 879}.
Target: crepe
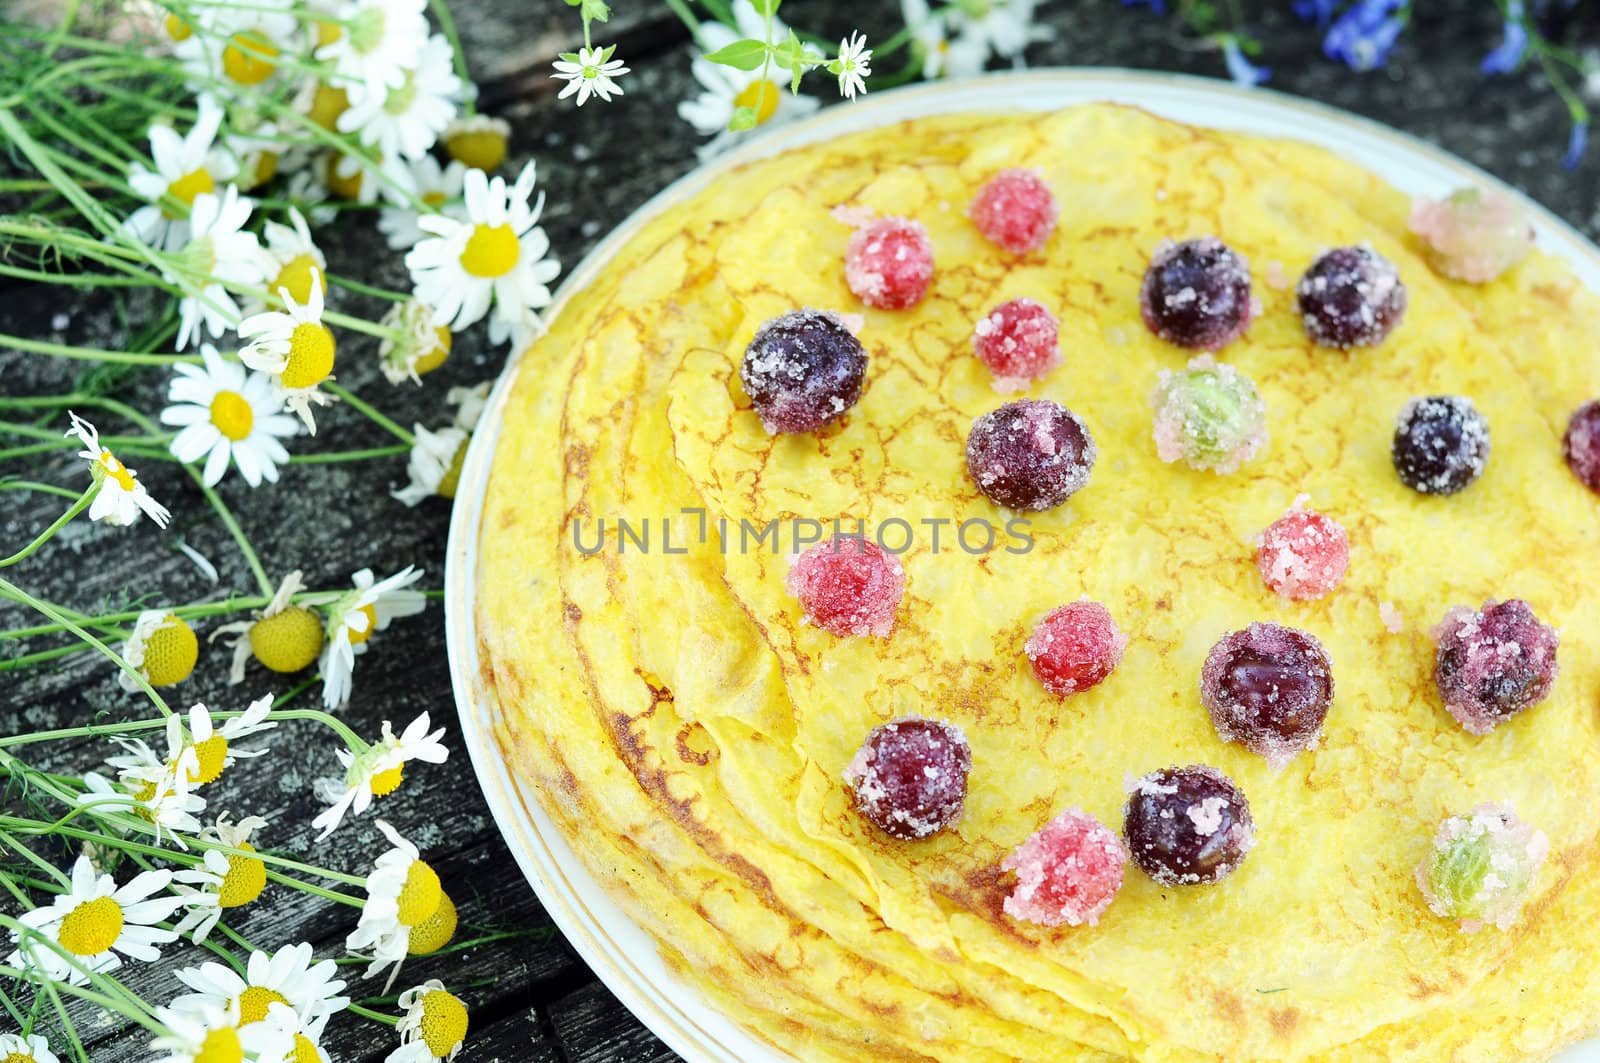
{"x": 687, "y": 731}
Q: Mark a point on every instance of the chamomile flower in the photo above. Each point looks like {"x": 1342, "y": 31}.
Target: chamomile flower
{"x": 284, "y": 637}
{"x": 149, "y": 789}
{"x": 287, "y": 977}
{"x": 295, "y": 348}
{"x": 852, "y": 67}
{"x": 162, "y": 649}
{"x": 260, "y": 148}
{"x": 725, "y": 89}
{"x": 496, "y": 255}
{"x": 942, "y": 55}
{"x": 405, "y": 120}
{"x": 403, "y": 897}
{"x": 93, "y": 921}
{"x": 434, "y": 1025}
{"x": 358, "y": 180}
{"x": 15, "y": 1048}
{"x": 122, "y": 497}
{"x": 304, "y": 1035}
{"x": 589, "y": 72}
{"x": 469, "y": 403}
{"x": 240, "y": 43}
{"x": 185, "y": 167}
{"x": 371, "y": 606}
{"x": 218, "y": 254}
{"x": 227, "y": 415}
{"x": 434, "y": 468}
{"x": 224, "y": 880}
{"x": 478, "y": 141}
{"x": 292, "y": 259}
{"x": 416, "y": 344}
{"x": 215, "y": 748}
{"x": 381, "y": 41}
{"x": 1003, "y": 27}
{"x": 377, "y": 770}
{"x": 204, "y": 1035}
{"x": 437, "y": 187}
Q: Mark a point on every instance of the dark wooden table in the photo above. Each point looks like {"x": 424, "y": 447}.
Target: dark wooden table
{"x": 532, "y": 999}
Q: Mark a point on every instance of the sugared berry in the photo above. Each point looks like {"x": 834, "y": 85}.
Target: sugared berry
{"x": 848, "y": 585}
{"x": 1303, "y": 554}
{"x": 1188, "y": 825}
{"x": 1350, "y": 297}
{"x": 1481, "y": 866}
{"x": 1493, "y": 663}
{"x": 1209, "y": 416}
{"x": 1015, "y": 210}
{"x": 889, "y": 262}
{"x": 1268, "y": 688}
{"x": 910, "y": 776}
{"x": 1581, "y": 444}
{"x": 1441, "y": 444}
{"x": 1196, "y": 294}
{"x": 1068, "y": 872}
{"x": 1075, "y": 647}
{"x": 1020, "y": 342}
{"x": 1474, "y": 235}
{"x": 802, "y": 370}
{"x": 1030, "y": 454}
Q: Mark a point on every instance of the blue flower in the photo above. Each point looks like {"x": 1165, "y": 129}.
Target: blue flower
{"x": 1157, "y": 6}
{"x": 1576, "y": 143}
{"x": 1508, "y": 55}
{"x": 1242, "y": 70}
{"x": 1318, "y": 11}
{"x": 1363, "y": 36}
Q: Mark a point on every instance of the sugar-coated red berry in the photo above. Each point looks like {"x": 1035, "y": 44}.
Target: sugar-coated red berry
{"x": 1268, "y": 688}
{"x": 1016, "y": 211}
{"x": 1196, "y": 294}
{"x": 1030, "y": 454}
{"x": 1350, "y": 297}
{"x": 1020, "y": 342}
{"x": 1075, "y": 647}
{"x": 1581, "y": 445}
{"x": 1303, "y": 554}
{"x": 909, "y": 777}
{"x": 1068, "y": 872}
{"x": 803, "y": 370}
{"x": 1493, "y": 663}
{"x": 848, "y": 585}
{"x": 889, "y": 262}
{"x": 1188, "y": 825}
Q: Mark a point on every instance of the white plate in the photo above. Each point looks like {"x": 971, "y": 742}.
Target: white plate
{"x": 621, "y": 954}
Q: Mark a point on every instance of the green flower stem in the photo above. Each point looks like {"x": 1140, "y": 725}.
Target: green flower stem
{"x": 367, "y": 289}
{"x": 360, "y": 406}
{"x": 375, "y": 1016}
{"x": 686, "y": 16}
{"x": 33, "y": 485}
{"x": 17, "y": 594}
{"x": 62, "y": 521}
{"x": 447, "y": 24}
{"x": 50, "y": 870}
{"x": 235, "y": 604}
{"x": 234, "y": 530}
{"x": 316, "y": 891}
{"x": 94, "y": 354}
{"x": 346, "y": 455}
{"x": 14, "y": 664}
{"x": 101, "y": 730}
{"x": 33, "y": 448}
{"x": 124, "y": 154}
{"x": 85, "y": 280}
{"x": 117, "y": 998}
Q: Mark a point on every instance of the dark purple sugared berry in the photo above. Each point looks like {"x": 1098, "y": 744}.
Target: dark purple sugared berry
{"x": 802, "y": 370}
{"x": 910, "y": 776}
{"x": 1187, "y": 825}
{"x": 1268, "y": 687}
{"x": 1030, "y": 454}
{"x": 1581, "y": 445}
{"x": 1350, "y": 297}
{"x": 1441, "y": 444}
{"x": 1197, "y": 293}
{"x": 1493, "y": 663}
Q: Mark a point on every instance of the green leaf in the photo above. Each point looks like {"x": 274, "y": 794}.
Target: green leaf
{"x": 765, "y": 8}
{"x": 743, "y": 118}
{"x": 794, "y": 55}
{"x": 595, "y": 9}
{"x": 741, "y": 55}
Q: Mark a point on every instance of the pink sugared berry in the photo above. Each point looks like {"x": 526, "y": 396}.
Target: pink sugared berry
{"x": 848, "y": 586}
{"x": 1303, "y": 554}
{"x": 1020, "y": 342}
{"x": 909, "y": 777}
{"x": 889, "y": 262}
{"x": 1068, "y": 872}
{"x": 1075, "y": 647}
{"x": 1015, "y": 210}
{"x": 1493, "y": 663}
{"x": 1581, "y": 444}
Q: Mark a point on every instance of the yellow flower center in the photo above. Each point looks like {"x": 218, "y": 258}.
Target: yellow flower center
{"x": 491, "y": 251}
{"x": 265, "y": 169}
{"x": 329, "y": 102}
{"x": 170, "y": 653}
{"x": 305, "y": 1050}
{"x": 178, "y": 30}
{"x": 288, "y": 641}
{"x": 340, "y": 185}
{"x": 761, "y": 95}
{"x": 358, "y": 637}
{"x": 92, "y": 927}
{"x": 434, "y": 199}
{"x": 220, "y": 1046}
{"x": 387, "y": 781}
{"x": 248, "y": 58}
{"x": 310, "y": 355}
{"x": 427, "y": 363}
{"x": 481, "y": 149}
{"x": 296, "y": 275}
{"x": 255, "y": 1000}
{"x": 232, "y": 415}
{"x": 419, "y": 897}
{"x": 444, "y": 1022}
{"x": 116, "y": 470}
{"x": 434, "y": 932}
{"x": 245, "y": 880}
{"x": 328, "y": 31}
{"x": 211, "y": 756}
{"x": 452, "y": 475}
{"x": 18, "y": 1057}
{"x": 191, "y": 184}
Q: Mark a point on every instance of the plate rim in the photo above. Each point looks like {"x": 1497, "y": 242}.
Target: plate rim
{"x": 673, "y": 1009}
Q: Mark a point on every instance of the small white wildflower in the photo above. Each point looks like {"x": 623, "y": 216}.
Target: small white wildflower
{"x": 852, "y": 67}
{"x": 378, "y": 770}
{"x": 185, "y": 168}
{"x": 589, "y": 72}
{"x": 122, "y": 497}
{"x": 222, "y": 880}
{"x": 295, "y": 348}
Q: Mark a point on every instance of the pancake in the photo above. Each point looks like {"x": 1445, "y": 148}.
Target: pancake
{"x": 688, "y": 731}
